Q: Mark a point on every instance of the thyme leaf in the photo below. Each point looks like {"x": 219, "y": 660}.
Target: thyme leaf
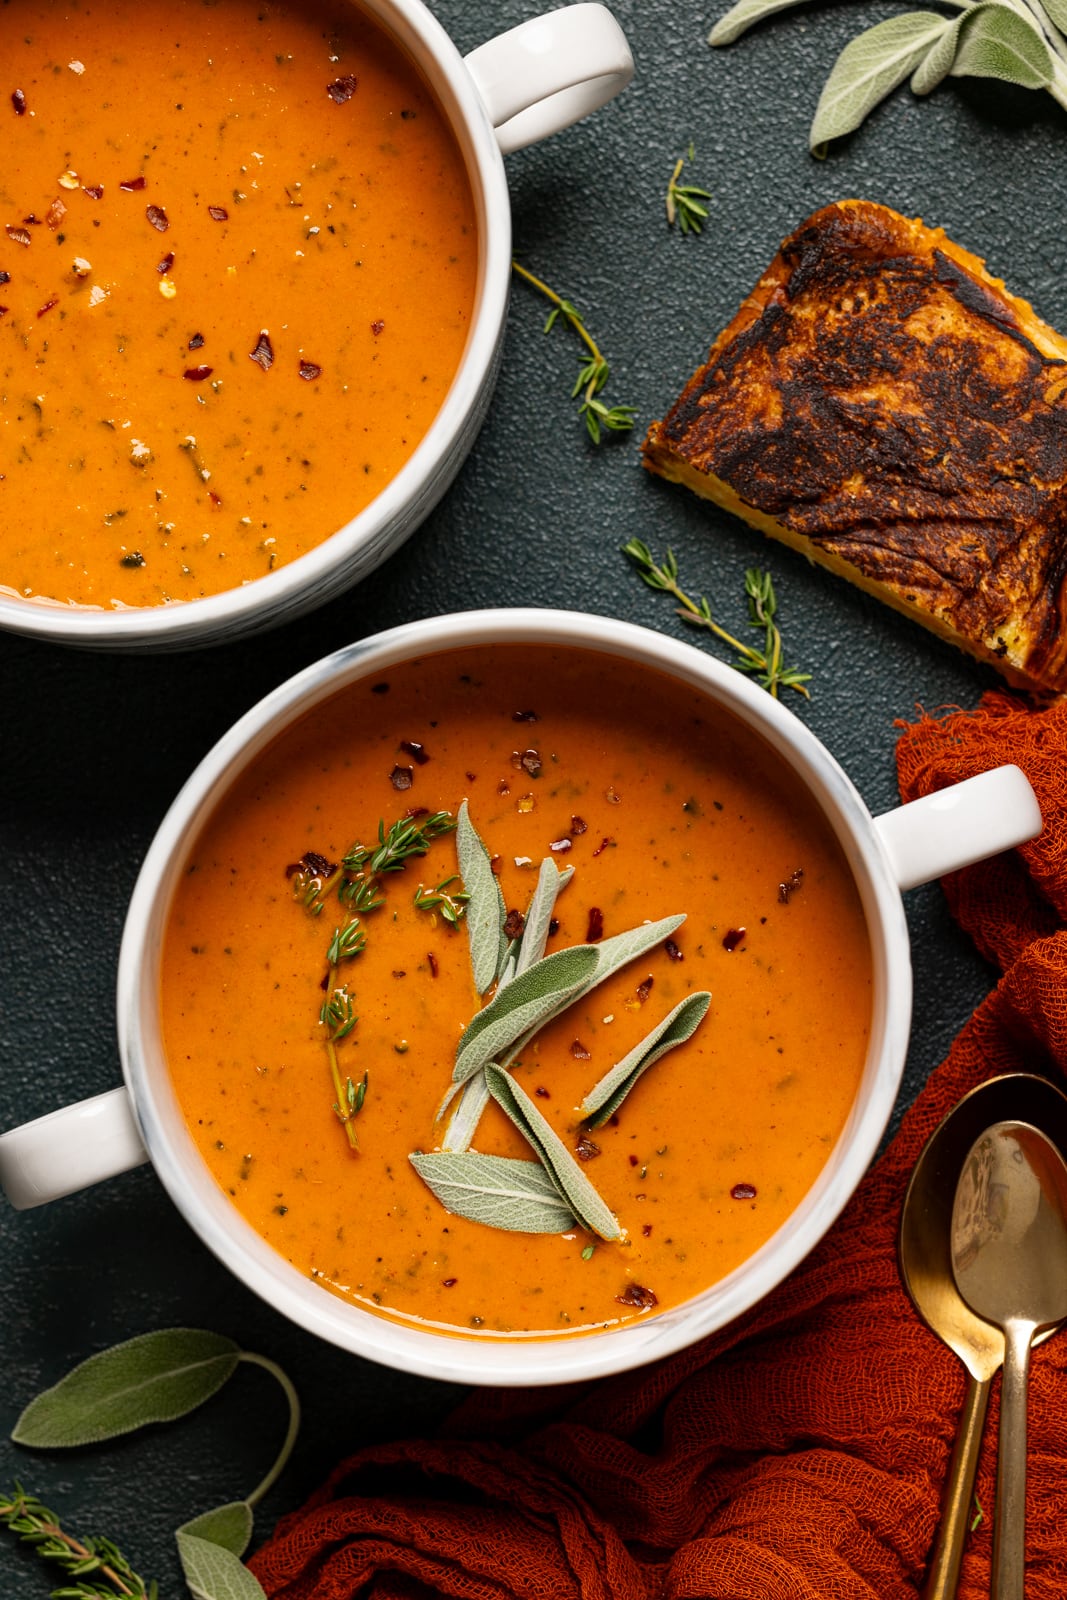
{"x": 683, "y": 201}
{"x": 594, "y": 371}
{"x": 96, "y": 1559}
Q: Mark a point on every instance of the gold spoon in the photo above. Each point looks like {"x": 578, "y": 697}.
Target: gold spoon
{"x": 1009, "y": 1256}
{"x": 926, "y": 1267}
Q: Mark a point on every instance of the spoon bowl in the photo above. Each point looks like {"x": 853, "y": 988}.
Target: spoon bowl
{"x": 925, "y": 1255}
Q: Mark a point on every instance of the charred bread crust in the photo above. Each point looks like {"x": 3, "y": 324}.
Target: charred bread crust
{"x": 883, "y": 404}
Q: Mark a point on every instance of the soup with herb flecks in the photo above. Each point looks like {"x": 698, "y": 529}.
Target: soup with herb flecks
{"x": 516, "y": 990}
{"x": 237, "y": 268}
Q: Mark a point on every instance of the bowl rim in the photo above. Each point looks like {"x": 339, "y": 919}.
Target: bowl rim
{"x": 344, "y": 557}
{"x": 480, "y": 1359}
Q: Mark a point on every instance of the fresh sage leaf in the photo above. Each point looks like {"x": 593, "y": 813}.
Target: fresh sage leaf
{"x": 1054, "y": 13}
{"x": 463, "y": 1123}
{"x": 870, "y": 67}
{"x": 523, "y": 1006}
{"x": 676, "y": 1027}
{"x": 229, "y": 1526}
{"x": 550, "y": 880}
{"x": 996, "y": 41}
{"x": 572, "y": 1183}
{"x": 485, "y": 909}
{"x": 937, "y": 63}
{"x": 743, "y": 16}
{"x": 153, "y": 1378}
{"x": 519, "y": 1196}
{"x": 214, "y": 1573}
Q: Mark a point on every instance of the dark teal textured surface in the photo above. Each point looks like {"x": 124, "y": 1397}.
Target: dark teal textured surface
{"x": 94, "y": 748}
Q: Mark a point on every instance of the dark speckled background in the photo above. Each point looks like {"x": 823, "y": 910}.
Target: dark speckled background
{"x": 95, "y": 747}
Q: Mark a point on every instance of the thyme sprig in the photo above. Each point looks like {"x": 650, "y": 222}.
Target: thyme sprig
{"x": 91, "y": 1563}
{"x": 357, "y": 883}
{"x": 683, "y": 201}
{"x": 763, "y": 664}
{"x": 450, "y": 903}
{"x": 594, "y": 372}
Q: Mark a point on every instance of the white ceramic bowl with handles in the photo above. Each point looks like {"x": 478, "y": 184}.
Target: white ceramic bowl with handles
{"x": 510, "y": 92}
{"x": 142, "y": 1121}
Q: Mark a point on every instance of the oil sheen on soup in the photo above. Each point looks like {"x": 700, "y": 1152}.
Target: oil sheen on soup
{"x": 237, "y": 269}
{"x": 662, "y": 805}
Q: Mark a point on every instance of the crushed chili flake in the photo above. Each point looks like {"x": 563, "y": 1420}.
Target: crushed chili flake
{"x": 524, "y": 716}
{"x": 18, "y": 100}
{"x": 732, "y": 938}
{"x": 553, "y": 926}
{"x": 672, "y": 950}
{"x": 402, "y": 777}
{"x": 377, "y": 327}
{"x": 55, "y": 213}
{"x": 165, "y": 265}
{"x": 530, "y": 761}
{"x": 263, "y": 354}
{"x": 95, "y": 191}
{"x": 312, "y": 862}
{"x": 216, "y": 499}
{"x": 496, "y": 865}
{"x": 607, "y": 843}
{"x": 743, "y": 1191}
{"x": 432, "y": 959}
{"x": 5, "y": 277}
{"x": 48, "y": 305}
{"x": 578, "y": 827}
{"x": 310, "y": 370}
{"x": 342, "y": 89}
{"x": 449, "y": 1283}
{"x": 586, "y": 1149}
{"x": 133, "y": 183}
{"x": 197, "y": 374}
{"x": 634, "y": 1160}
{"x": 514, "y": 923}
{"x": 3, "y": 313}
{"x": 417, "y": 811}
{"x": 196, "y": 342}
{"x": 542, "y": 1093}
{"x": 560, "y": 846}
{"x": 133, "y": 558}
{"x": 645, "y": 989}
{"x": 646, "y": 1228}
{"x": 595, "y": 928}
{"x": 416, "y": 751}
{"x": 158, "y": 218}
{"x": 792, "y": 882}
{"x": 578, "y": 1050}
{"x": 503, "y": 787}
{"x": 218, "y": 213}
{"x": 635, "y": 1294}
{"x": 17, "y": 235}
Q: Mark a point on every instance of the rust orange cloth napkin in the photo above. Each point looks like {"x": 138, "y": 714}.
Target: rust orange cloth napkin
{"x": 798, "y": 1454}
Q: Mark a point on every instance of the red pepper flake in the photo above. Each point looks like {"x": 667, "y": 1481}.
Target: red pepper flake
{"x": 55, "y": 213}
{"x": 524, "y": 716}
{"x": 164, "y": 266}
{"x": 743, "y": 1191}
{"x": 560, "y": 846}
{"x": 218, "y": 213}
{"x": 503, "y": 787}
{"x": 377, "y": 327}
{"x": 646, "y": 1228}
{"x": 634, "y": 1161}
{"x": 432, "y": 959}
{"x": 402, "y": 777}
{"x": 595, "y": 929}
{"x": 553, "y": 926}
{"x": 607, "y": 843}
{"x": 417, "y": 811}
{"x": 3, "y": 313}
{"x": 196, "y": 342}
{"x": 542, "y": 1093}
{"x": 635, "y": 1294}
{"x": 216, "y": 499}
{"x": 32, "y": 221}
{"x": 645, "y": 989}
{"x": 732, "y": 938}
{"x": 496, "y": 865}
{"x": 48, "y": 305}
{"x": 530, "y": 762}
{"x": 133, "y": 183}
{"x": 18, "y": 100}
{"x": 158, "y": 218}
{"x": 586, "y": 1149}
{"x": 5, "y": 277}
{"x": 578, "y": 1051}
{"x": 342, "y": 89}
{"x": 449, "y": 1283}
{"x": 514, "y": 923}
{"x": 578, "y": 827}
{"x": 313, "y": 863}
{"x": 672, "y": 950}
{"x": 17, "y": 235}
{"x": 792, "y": 882}
{"x": 416, "y": 751}
{"x": 197, "y": 374}
{"x": 263, "y": 354}
{"x": 95, "y": 191}
{"x": 310, "y": 370}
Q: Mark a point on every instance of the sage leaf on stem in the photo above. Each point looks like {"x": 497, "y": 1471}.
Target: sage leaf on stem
{"x": 870, "y": 67}
{"x": 518, "y": 1196}
{"x": 996, "y": 41}
{"x": 677, "y": 1026}
{"x": 215, "y": 1573}
{"x": 229, "y": 1526}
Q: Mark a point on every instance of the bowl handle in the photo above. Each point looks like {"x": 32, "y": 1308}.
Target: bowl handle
{"x": 550, "y": 71}
{"x": 965, "y": 822}
{"x": 70, "y": 1149}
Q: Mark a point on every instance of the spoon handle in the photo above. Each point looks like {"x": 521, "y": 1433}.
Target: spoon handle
{"x": 943, "y": 1573}
{"x": 1009, "y": 1531}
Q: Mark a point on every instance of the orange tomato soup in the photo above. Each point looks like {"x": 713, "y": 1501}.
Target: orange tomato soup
{"x": 237, "y": 272}
{"x": 662, "y": 804}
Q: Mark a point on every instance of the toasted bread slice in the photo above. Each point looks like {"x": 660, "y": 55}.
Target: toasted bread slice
{"x": 883, "y": 404}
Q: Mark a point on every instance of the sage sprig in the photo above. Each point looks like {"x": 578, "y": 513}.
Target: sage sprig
{"x": 1018, "y": 41}
{"x": 519, "y": 1196}
{"x": 605, "y": 1098}
{"x": 523, "y": 1006}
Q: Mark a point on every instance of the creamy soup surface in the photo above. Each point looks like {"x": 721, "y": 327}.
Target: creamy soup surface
{"x": 662, "y": 805}
{"x": 237, "y": 270}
